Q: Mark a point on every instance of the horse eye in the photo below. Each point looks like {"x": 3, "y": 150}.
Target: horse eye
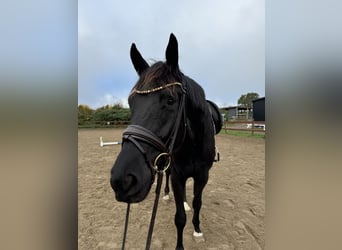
{"x": 170, "y": 101}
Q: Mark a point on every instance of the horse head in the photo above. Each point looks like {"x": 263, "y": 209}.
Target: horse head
{"x": 155, "y": 102}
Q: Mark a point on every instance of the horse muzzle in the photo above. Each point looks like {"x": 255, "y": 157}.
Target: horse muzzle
{"x": 129, "y": 189}
{"x": 131, "y": 179}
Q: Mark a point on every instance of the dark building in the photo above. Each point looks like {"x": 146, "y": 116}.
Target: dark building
{"x": 259, "y": 109}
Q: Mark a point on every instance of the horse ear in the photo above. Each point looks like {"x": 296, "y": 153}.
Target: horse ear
{"x": 138, "y": 61}
{"x": 172, "y": 51}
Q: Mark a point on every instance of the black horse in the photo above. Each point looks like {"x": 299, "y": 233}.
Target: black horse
{"x": 171, "y": 121}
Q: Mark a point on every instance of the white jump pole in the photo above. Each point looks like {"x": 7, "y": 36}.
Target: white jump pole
{"x": 108, "y": 143}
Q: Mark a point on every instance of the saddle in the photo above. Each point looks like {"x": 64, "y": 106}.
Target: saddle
{"x": 216, "y": 116}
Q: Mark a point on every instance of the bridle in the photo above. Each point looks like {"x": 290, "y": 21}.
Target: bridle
{"x": 137, "y": 134}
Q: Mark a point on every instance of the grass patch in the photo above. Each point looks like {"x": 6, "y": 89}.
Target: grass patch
{"x": 243, "y": 133}
{"x": 101, "y": 126}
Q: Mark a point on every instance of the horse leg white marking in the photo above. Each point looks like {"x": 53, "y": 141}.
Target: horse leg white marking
{"x": 186, "y": 206}
{"x": 198, "y": 237}
{"x": 197, "y": 234}
{"x": 166, "y": 197}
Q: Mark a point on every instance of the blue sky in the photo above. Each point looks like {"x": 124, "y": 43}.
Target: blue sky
{"x": 221, "y": 46}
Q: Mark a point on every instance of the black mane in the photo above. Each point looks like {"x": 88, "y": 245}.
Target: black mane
{"x": 158, "y": 74}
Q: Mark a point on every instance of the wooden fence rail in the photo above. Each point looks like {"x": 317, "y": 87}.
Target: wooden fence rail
{"x": 237, "y": 125}
{"x": 103, "y": 124}
{"x": 248, "y": 126}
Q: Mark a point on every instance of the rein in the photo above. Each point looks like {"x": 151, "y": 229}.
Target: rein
{"x": 137, "y": 134}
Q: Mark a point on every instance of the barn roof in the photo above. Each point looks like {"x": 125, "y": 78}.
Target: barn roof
{"x": 259, "y": 99}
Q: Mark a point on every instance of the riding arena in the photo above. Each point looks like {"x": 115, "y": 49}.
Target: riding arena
{"x": 233, "y": 209}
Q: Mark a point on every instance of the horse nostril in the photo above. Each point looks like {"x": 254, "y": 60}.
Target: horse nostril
{"x": 124, "y": 184}
{"x": 128, "y": 182}
{"x": 115, "y": 184}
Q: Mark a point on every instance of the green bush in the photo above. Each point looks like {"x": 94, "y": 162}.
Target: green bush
{"x": 112, "y": 115}
{"x": 102, "y": 115}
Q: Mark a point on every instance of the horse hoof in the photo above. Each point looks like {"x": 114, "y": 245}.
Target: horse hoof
{"x": 195, "y": 234}
{"x": 166, "y": 197}
{"x": 198, "y": 237}
{"x": 186, "y": 206}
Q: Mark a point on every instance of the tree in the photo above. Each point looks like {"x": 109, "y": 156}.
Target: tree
{"x": 246, "y": 100}
{"x": 85, "y": 113}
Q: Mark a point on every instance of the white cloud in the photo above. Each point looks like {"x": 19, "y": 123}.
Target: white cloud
{"x": 221, "y": 44}
{"x": 109, "y": 99}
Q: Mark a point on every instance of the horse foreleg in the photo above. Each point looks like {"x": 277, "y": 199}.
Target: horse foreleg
{"x": 186, "y": 205}
{"x": 199, "y": 184}
{"x": 180, "y": 216}
{"x": 167, "y": 188}
{"x": 166, "y": 196}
